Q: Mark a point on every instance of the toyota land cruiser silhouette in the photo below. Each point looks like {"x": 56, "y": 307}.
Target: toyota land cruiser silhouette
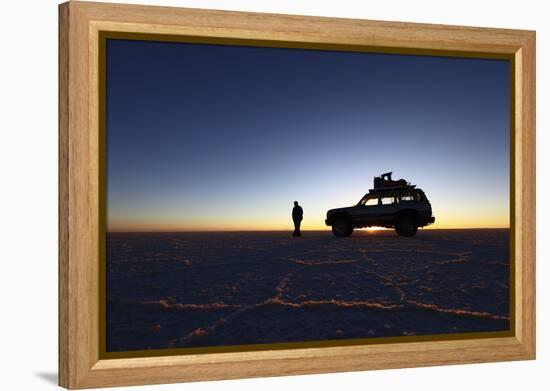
{"x": 391, "y": 204}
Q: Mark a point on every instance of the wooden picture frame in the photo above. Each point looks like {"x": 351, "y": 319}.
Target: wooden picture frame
{"x": 80, "y": 202}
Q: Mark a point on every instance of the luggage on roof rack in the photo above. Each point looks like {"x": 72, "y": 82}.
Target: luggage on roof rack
{"x": 385, "y": 182}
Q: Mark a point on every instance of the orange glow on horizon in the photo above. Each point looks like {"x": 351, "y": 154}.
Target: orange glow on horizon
{"x": 452, "y": 217}
{"x": 141, "y": 227}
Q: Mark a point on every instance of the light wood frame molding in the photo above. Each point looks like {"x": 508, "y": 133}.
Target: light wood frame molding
{"x": 80, "y": 24}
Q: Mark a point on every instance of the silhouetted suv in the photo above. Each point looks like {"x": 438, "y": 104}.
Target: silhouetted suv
{"x": 403, "y": 207}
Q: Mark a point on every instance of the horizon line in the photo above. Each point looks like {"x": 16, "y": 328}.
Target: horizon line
{"x": 290, "y": 230}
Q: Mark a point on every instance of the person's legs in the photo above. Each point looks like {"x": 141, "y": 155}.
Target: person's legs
{"x": 296, "y": 228}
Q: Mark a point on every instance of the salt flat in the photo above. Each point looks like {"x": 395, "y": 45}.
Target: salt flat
{"x": 231, "y": 288}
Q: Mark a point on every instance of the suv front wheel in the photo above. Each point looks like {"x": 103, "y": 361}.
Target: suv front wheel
{"x": 342, "y": 227}
{"x": 406, "y": 226}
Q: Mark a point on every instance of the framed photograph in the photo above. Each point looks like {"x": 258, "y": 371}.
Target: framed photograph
{"x": 247, "y": 195}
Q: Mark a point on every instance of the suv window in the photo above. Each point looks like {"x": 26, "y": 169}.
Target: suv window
{"x": 370, "y": 201}
{"x": 412, "y": 196}
{"x": 387, "y": 200}
{"x": 376, "y": 201}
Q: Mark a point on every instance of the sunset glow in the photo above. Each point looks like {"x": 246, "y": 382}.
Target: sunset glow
{"x": 375, "y": 229}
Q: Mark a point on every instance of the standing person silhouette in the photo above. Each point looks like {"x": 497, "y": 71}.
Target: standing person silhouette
{"x": 297, "y": 216}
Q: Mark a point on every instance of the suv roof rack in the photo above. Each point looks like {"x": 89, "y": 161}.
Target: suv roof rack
{"x": 390, "y": 189}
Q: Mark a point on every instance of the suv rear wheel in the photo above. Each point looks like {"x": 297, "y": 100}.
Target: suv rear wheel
{"x": 406, "y": 226}
{"x": 342, "y": 227}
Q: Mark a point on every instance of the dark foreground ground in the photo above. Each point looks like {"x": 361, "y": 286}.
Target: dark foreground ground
{"x": 205, "y": 289}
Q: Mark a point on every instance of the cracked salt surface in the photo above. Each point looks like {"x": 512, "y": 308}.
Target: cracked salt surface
{"x": 211, "y": 289}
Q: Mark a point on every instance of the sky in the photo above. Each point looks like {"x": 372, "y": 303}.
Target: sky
{"x": 214, "y": 137}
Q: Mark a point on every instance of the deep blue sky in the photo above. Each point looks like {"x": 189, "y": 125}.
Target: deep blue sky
{"x": 227, "y": 137}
